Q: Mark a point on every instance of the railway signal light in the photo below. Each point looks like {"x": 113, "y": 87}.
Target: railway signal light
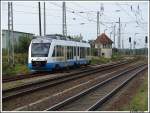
{"x": 145, "y": 39}
{"x": 130, "y": 39}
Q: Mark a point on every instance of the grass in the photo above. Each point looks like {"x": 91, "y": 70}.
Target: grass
{"x": 140, "y": 100}
{"x": 100, "y": 60}
{"x": 19, "y": 68}
{"x": 116, "y": 57}
{"x": 103, "y": 60}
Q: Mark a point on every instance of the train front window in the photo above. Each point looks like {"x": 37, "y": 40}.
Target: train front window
{"x": 40, "y": 49}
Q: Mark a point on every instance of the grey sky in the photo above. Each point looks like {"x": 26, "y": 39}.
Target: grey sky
{"x": 83, "y": 20}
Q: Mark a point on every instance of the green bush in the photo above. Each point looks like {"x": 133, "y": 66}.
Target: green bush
{"x": 23, "y": 45}
{"x": 21, "y": 60}
{"x": 100, "y": 60}
{"x": 4, "y": 52}
{"x": 116, "y": 57}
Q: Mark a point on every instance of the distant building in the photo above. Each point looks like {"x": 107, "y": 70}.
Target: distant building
{"x": 104, "y": 46}
{"x": 17, "y": 35}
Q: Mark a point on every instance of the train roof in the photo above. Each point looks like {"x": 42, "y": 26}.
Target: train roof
{"x": 41, "y": 40}
{"x": 49, "y": 38}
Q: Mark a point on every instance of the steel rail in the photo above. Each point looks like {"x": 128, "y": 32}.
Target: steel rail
{"x": 79, "y": 95}
{"x": 113, "y": 92}
{"x": 53, "y": 82}
{"x": 34, "y": 74}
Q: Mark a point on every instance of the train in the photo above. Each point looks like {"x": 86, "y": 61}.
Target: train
{"x": 52, "y": 52}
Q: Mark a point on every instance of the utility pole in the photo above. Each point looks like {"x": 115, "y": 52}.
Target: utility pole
{"x": 114, "y": 34}
{"x": 64, "y": 29}
{"x": 134, "y": 43}
{"x": 122, "y": 44}
{"x": 64, "y": 26}
{"x": 10, "y": 35}
{"x": 145, "y": 45}
{"x": 44, "y": 20}
{"x": 40, "y": 32}
{"x": 98, "y": 25}
{"x": 98, "y": 31}
{"x": 119, "y": 36}
{"x": 130, "y": 44}
{"x": 100, "y": 14}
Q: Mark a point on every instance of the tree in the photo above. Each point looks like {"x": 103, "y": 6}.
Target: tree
{"x": 78, "y": 37}
{"x": 23, "y": 44}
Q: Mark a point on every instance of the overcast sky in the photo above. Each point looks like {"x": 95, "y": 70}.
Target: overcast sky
{"x": 81, "y": 18}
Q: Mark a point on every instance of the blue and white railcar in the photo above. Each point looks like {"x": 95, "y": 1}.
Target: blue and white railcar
{"x": 48, "y": 53}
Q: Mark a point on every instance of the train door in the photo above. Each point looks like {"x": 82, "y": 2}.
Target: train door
{"x": 75, "y": 52}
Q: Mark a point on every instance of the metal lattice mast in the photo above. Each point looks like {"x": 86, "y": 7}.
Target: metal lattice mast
{"x": 114, "y": 34}
{"x": 98, "y": 25}
{"x": 64, "y": 26}
{"x": 10, "y": 34}
{"x": 44, "y": 20}
{"x": 39, "y": 6}
{"x": 119, "y": 35}
{"x": 100, "y": 14}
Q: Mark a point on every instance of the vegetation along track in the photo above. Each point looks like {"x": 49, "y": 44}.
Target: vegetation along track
{"x": 92, "y": 98}
{"x": 36, "y": 74}
{"x": 23, "y": 90}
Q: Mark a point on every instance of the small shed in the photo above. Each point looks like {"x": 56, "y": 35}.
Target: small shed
{"x": 104, "y": 45}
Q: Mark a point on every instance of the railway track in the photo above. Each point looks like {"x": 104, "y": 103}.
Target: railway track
{"x": 29, "y": 88}
{"x": 92, "y": 98}
{"x": 36, "y": 74}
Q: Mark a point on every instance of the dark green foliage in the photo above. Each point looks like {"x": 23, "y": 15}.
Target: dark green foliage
{"x": 4, "y": 51}
{"x": 100, "y": 60}
{"x": 94, "y": 52}
{"x": 23, "y": 45}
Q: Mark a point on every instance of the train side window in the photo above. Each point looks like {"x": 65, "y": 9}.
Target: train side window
{"x": 78, "y": 51}
{"x": 62, "y": 51}
{"x": 53, "y": 55}
{"x": 84, "y": 52}
{"x": 74, "y": 51}
{"x": 71, "y": 52}
{"x": 67, "y": 52}
{"x": 88, "y": 51}
{"x": 57, "y": 51}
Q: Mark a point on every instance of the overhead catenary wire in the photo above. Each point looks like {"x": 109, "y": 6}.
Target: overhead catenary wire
{"x": 73, "y": 11}
{"x": 81, "y": 15}
{"x": 130, "y": 16}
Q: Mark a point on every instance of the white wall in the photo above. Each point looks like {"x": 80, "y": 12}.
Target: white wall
{"x": 107, "y": 52}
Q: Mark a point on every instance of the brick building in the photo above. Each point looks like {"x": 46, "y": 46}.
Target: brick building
{"x": 103, "y": 44}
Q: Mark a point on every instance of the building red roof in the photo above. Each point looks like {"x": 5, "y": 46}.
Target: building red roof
{"x": 103, "y": 39}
